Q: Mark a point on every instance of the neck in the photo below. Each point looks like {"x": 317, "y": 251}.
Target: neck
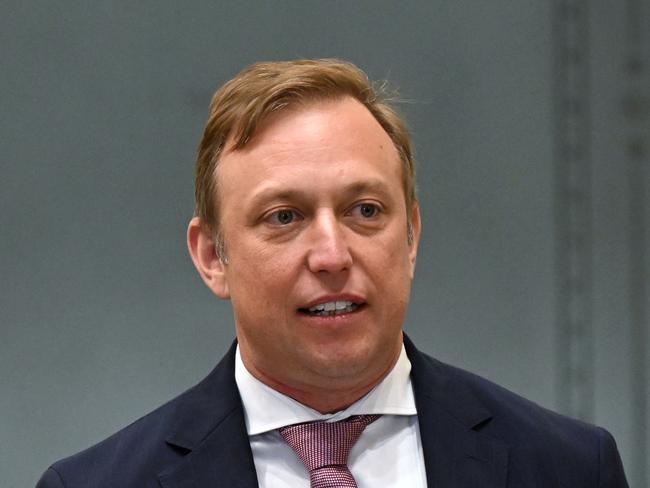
{"x": 325, "y": 400}
{"x": 332, "y": 395}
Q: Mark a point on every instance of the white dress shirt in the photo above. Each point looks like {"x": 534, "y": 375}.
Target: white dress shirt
{"x": 388, "y": 453}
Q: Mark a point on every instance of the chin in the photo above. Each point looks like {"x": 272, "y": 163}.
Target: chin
{"x": 349, "y": 360}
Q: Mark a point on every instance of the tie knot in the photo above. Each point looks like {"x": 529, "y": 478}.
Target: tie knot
{"x": 321, "y": 443}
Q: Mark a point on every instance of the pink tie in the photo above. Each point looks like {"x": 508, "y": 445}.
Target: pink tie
{"x": 323, "y": 447}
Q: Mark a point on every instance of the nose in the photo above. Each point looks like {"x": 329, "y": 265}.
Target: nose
{"x": 328, "y": 249}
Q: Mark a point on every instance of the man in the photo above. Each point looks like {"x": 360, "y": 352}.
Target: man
{"x": 306, "y": 219}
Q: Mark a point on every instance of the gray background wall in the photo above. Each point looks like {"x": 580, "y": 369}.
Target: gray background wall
{"x": 531, "y": 124}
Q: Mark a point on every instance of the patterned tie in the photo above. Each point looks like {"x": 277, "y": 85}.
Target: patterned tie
{"x": 323, "y": 447}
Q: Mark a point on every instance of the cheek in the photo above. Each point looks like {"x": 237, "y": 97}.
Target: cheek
{"x": 389, "y": 263}
{"x": 390, "y": 250}
{"x": 262, "y": 272}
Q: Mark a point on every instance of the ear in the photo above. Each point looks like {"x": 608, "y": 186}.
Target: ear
{"x": 202, "y": 247}
{"x": 416, "y": 226}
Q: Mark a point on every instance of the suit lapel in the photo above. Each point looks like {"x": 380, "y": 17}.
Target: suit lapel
{"x": 223, "y": 459}
{"x": 211, "y": 430}
{"x": 456, "y": 453}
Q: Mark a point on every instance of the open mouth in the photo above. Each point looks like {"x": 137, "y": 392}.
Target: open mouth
{"x": 329, "y": 309}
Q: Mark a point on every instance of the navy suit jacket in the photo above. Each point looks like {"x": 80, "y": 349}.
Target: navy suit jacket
{"x": 474, "y": 434}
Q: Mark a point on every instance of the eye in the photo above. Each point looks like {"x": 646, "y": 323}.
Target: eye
{"x": 366, "y": 210}
{"x": 283, "y": 216}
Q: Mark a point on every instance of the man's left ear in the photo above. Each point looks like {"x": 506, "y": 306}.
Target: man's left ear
{"x": 203, "y": 251}
{"x": 416, "y": 227}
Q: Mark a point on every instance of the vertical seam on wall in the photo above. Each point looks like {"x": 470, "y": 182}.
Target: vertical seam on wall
{"x": 636, "y": 111}
{"x": 573, "y": 209}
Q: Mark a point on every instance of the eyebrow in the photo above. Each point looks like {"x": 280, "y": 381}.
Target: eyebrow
{"x": 271, "y": 193}
{"x": 367, "y": 186}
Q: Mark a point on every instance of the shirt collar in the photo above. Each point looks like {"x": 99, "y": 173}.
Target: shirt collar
{"x": 266, "y": 409}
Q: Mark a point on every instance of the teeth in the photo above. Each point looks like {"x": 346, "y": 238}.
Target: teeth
{"x": 333, "y": 308}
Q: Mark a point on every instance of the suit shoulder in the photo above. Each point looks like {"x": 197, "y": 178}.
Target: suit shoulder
{"x": 513, "y": 413}
{"x": 572, "y": 449}
{"x": 135, "y": 455}
{"x": 138, "y": 449}
{"x": 518, "y": 410}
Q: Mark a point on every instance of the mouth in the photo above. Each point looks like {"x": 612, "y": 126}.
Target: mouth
{"x": 331, "y": 309}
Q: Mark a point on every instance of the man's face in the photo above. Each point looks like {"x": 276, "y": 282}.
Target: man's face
{"x": 319, "y": 267}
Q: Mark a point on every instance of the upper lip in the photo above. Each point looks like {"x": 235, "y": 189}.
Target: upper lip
{"x": 356, "y": 299}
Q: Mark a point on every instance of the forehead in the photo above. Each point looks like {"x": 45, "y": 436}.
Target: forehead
{"x": 323, "y": 134}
